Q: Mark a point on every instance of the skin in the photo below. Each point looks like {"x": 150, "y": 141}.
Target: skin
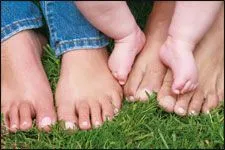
{"x": 22, "y": 101}
{"x": 129, "y": 39}
{"x": 209, "y": 58}
{"x": 87, "y": 94}
{"x": 149, "y": 74}
{"x": 190, "y": 22}
{"x": 148, "y": 71}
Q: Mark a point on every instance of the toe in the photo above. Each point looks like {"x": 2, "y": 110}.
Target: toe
{"x": 66, "y": 113}
{"x": 211, "y": 102}
{"x": 178, "y": 85}
{"x": 196, "y": 103}
{"x": 83, "y": 115}
{"x": 166, "y": 98}
{"x": 45, "y": 116}
{"x": 133, "y": 82}
{"x": 188, "y": 85}
{"x": 14, "y": 119}
{"x": 142, "y": 94}
{"x": 96, "y": 117}
{"x": 107, "y": 109}
{"x": 25, "y": 116}
{"x": 117, "y": 102}
{"x": 182, "y": 103}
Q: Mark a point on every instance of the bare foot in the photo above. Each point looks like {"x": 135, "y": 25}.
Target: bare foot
{"x": 124, "y": 53}
{"x": 25, "y": 90}
{"x": 148, "y": 71}
{"x": 209, "y": 56}
{"x": 177, "y": 54}
{"x": 87, "y": 94}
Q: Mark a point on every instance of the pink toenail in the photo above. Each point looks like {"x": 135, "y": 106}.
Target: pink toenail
{"x": 14, "y": 126}
{"x": 115, "y": 75}
{"x": 24, "y": 123}
{"x": 45, "y": 122}
{"x": 180, "y": 110}
{"x": 131, "y": 98}
{"x": 85, "y": 123}
{"x": 70, "y": 125}
{"x": 176, "y": 91}
{"x": 193, "y": 113}
{"x": 121, "y": 82}
{"x": 97, "y": 124}
{"x": 116, "y": 110}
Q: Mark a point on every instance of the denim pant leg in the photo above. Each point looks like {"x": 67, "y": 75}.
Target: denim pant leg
{"x": 17, "y": 16}
{"x": 69, "y": 30}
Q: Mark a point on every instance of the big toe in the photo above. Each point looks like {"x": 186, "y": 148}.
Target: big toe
{"x": 46, "y": 116}
{"x": 66, "y": 114}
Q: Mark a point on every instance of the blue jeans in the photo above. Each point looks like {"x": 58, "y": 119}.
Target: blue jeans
{"x": 68, "y": 29}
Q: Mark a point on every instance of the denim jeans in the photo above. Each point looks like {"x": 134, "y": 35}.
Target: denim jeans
{"x": 68, "y": 29}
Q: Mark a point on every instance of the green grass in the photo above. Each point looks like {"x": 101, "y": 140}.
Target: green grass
{"x": 139, "y": 125}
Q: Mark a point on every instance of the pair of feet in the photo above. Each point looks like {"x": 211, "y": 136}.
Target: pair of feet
{"x": 86, "y": 94}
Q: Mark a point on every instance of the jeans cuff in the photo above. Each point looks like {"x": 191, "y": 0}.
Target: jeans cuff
{"x": 82, "y": 43}
{"x": 17, "y": 26}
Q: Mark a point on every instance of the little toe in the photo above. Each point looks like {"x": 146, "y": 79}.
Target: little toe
{"x": 96, "y": 117}
{"x": 83, "y": 115}
{"x": 14, "y": 119}
{"x": 196, "y": 103}
{"x": 107, "y": 109}
{"x": 182, "y": 103}
{"x": 25, "y": 116}
{"x": 66, "y": 113}
{"x": 211, "y": 102}
{"x": 117, "y": 102}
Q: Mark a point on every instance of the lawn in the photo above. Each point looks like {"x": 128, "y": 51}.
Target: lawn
{"x": 139, "y": 125}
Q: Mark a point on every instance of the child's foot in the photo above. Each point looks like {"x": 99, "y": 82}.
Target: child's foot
{"x": 177, "y": 54}
{"x": 24, "y": 85}
{"x": 124, "y": 53}
{"x": 86, "y": 94}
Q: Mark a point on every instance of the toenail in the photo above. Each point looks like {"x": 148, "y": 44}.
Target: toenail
{"x": 180, "y": 110}
{"x": 45, "y": 122}
{"x": 24, "y": 123}
{"x": 121, "y": 82}
{"x": 14, "y": 126}
{"x": 97, "y": 124}
{"x": 115, "y": 75}
{"x": 176, "y": 91}
{"x": 131, "y": 98}
{"x": 116, "y": 110}
{"x": 207, "y": 112}
{"x": 193, "y": 113}
{"x": 70, "y": 125}
{"x": 85, "y": 123}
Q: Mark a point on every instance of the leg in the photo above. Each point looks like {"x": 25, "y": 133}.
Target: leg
{"x": 22, "y": 71}
{"x": 191, "y": 20}
{"x": 119, "y": 24}
{"x": 148, "y": 71}
{"x": 209, "y": 56}
{"x": 86, "y": 93}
